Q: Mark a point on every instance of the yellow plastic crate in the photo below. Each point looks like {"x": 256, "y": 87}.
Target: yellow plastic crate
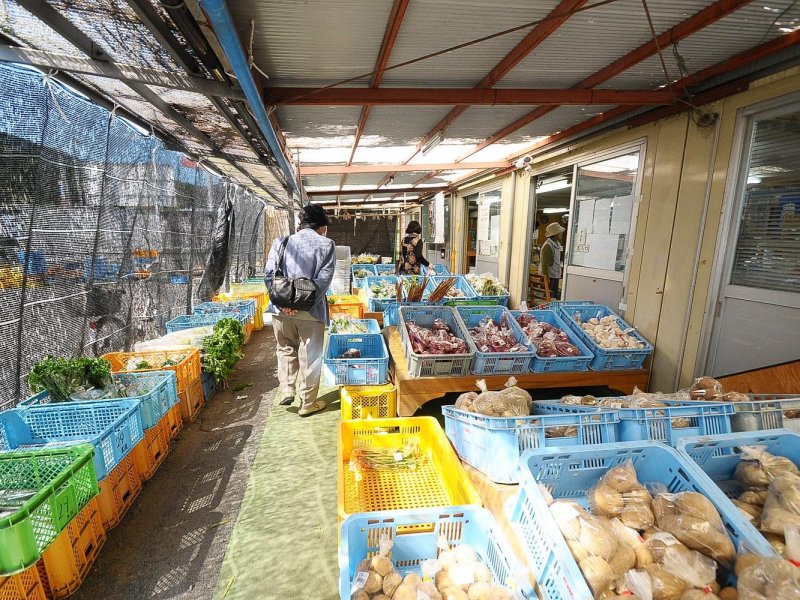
{"x": 24, "y": 585}
{"x": 259, "y": 297}
{"x": 244, "y": 288}
{"x": 346, "y": 304}
{"x": 368, "y": 401}
{"x": 150, "y": 452}
{"x": 190, "y": 402}
{"x": 438, "y": 480}
{"x": 118, "y": 490}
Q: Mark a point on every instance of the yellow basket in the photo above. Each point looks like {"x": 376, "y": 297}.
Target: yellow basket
{"x": 67, "y": 560}
{"x": 150, "y": 452}
{"x": 173, "y": 420}
{"x": 368, "y": 401}
{"x": 346, "y": 304}
{"x": 24, "y": 585}
{"x": 246, "y": 288}
{"x": 118, "y": 490}
{"x": 190, "y": 402}
{"x": 438, "y": 480}
{"x": 259, "y": 297}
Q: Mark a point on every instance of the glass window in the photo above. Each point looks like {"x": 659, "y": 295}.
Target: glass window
{"x": 767, "y": 252}
{"x": 488, "y": 233}
{"x": 604, "y": 197}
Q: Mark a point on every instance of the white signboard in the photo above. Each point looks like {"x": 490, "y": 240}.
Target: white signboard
{"x": 483, "y": 221}
{"x": 439, "y": 223}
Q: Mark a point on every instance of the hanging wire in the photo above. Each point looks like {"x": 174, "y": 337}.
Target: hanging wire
{"x": 778, "y": 18}
{"x": 473, "y": 42}
{"x": 48, "y": 82}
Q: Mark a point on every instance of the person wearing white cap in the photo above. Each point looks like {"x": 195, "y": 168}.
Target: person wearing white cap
{"x": 551, "y": 257}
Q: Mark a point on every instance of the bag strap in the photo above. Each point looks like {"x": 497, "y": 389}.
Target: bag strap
{"x": 279, "y": 259}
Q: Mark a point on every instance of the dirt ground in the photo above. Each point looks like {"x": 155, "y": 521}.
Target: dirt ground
{"x": 172, "y": 542}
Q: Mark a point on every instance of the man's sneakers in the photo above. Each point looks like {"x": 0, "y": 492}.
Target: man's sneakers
{"x": 287, "y": 401}
{"x": 312, "y": 408}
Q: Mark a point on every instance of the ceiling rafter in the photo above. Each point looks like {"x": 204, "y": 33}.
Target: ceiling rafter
{"x": 729, "y": 65}
{"x": 387, "y": 44}
{"x": 557, "y": 17}
{"x": 466, "y": 97}
{"x": 315, "y": 169}
{"x": 682, "y": 30}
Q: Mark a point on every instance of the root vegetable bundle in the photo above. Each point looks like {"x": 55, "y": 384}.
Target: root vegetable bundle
{"x": 607, "y": 333}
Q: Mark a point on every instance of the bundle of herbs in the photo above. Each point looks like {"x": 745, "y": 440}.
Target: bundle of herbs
{"x": 223, "y": 348}
{"x": 63, "y": 377}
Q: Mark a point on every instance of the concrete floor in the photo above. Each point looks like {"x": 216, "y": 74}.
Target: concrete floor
{"x": 172, "y": 542}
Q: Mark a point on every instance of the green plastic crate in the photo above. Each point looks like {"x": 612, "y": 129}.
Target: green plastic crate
{"x": 66, "y": 482}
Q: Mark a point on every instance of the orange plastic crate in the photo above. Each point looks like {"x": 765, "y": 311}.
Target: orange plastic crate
{"x": 67, "y": 560}
{"x": 149, "y": 453}
{"x": 191, "y": 401}
{"x": 25, "y": 585}
{"x": 118, "y": 491}
{"x": 174, "y": 421}
{"x": 186, "y": 371}
{"x": 346, "y": 304}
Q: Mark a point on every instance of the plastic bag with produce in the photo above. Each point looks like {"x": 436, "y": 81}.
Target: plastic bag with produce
{"x": 619, "y": 494}
{"x": 782, "y": 506}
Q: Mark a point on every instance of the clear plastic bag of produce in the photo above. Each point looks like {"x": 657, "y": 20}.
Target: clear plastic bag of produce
{"x": 511, "y": 401}
{"x": 757, "y": 467}
{"x": 177, "y": 340}
{"x": 489, "y": 336}
{"x": 619, "y": 494}
{"x": 782, "y": 506}
{"x": 486, "y": 284}
{"x": 693, "y": 520}
{"x": 767, "y": 579}
{"x": 438, "y": 339}
{"x": 608, "y": 333}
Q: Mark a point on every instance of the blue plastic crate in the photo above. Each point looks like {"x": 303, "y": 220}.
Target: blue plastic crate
{"x": 179, "y": 279}
{"x": 662, "y": 424}
{"x": 37, "y": 265}
{"x": 718, "y": 455}
{"x": 209, "y": 385}
{"x": 570, "y": 472}
{"x": 493, "y": 445}
{"x": 162, "y": 394}
{"x": 379, "y": 304}
{"x": 441, "y": 270}
{"x": 204, "y": 320}
{"x": 391, "y": 315}
{"x": 246, "y": 307}
{"x": 372, "y": 368}
{"x": 495, "y": 363}
{"x": 383, "y": 269}
{"x": 605, "y": 358}
{"x": 113, "y": 428}
{"x": 461, "y": 284}
{"x": 558, "y": 364}
{"x": 415, "y": 535}
{"x": 766, "y": 411}
{"x": 358, "y": 282}
{"x": 434, "y": 365}
{"x": 371, "y": 325}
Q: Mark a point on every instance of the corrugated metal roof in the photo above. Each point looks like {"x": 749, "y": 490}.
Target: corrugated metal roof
{"x": 399, "y": 125}
{"x": 590, "y": 40}
{"x": 471, "y": 127}
{"x": 557, "y": 120}
{"x": 314, "y": 41}
{"x": 431, "y": 25}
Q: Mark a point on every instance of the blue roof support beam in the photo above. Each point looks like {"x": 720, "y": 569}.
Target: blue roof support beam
{"x": 222, "y": 22}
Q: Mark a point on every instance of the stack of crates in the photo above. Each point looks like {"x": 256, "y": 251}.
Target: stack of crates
{"x": 188, "y": 371}
{"x": 260, "y": 299}
{"x": 114, "y": 428}
{"x": 49, "y": 543}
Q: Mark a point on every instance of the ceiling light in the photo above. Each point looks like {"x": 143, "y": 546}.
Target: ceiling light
{"x": 433, "y": 142}
{"x": 551, "y": 211}
{"x": 553, "y": 186}
{"x": 752, "y": 179}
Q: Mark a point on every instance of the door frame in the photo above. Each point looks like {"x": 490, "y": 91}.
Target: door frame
{"x": 728, "y": 232}
{"x": 582, "y": 160}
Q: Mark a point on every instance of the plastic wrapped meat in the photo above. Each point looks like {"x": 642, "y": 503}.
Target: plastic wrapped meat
{"x": 436, "y": 340}
{"x": 549, "y": 341}
{"x": 491, "y": 337}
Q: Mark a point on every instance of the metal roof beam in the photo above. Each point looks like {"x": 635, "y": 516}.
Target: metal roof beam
{"x": 379, "y": 168}
{"x": 465, "y": 97}
{"x": 682, "y": 30}
{"x": 375, "y": 191}
{"x": 528, "y": 44}
{"x": 387, "y": 44}
{"x": 118, "y": 71}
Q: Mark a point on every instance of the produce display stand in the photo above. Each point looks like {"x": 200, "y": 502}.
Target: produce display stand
{"x": 413, "y": 392}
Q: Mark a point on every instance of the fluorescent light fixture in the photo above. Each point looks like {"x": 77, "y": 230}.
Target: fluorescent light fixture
{"x": 433, "y": 142}
{"x": 752, "y": 179}
{"x": 554, "y": 211}
{"x": 553, "y": 186}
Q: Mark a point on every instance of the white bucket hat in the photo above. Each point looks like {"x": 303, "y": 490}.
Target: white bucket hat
{"x": 554, "y": 229}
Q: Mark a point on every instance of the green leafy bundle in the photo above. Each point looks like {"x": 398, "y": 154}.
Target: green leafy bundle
{"x": 62, "y": 377}
{"x": 223, "y": 348}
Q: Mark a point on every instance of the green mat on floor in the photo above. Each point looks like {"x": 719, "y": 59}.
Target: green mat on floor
{"x": 284, "y": 543}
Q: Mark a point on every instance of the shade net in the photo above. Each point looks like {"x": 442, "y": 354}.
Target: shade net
{"x": 104, "y": 232}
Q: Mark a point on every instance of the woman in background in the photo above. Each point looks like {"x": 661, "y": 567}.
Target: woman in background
{"x": 412, "y": 258}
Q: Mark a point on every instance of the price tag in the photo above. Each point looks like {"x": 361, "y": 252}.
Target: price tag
{"x": 359, "y": 581}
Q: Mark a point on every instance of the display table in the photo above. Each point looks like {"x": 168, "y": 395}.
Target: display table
{"x": 413, "y": 392}
{"x": 378, "y": 316}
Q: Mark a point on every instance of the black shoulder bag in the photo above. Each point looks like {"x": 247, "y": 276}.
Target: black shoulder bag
{"x": 285, "y": 292}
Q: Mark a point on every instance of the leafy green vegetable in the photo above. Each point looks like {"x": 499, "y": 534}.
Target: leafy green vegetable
{"x": 223, "y": 348}
{"x": 62, "y": 377}
{"x": 169, "y": 363}
{"x": 143, "y": 364}
{"x": 344, "y": 324}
